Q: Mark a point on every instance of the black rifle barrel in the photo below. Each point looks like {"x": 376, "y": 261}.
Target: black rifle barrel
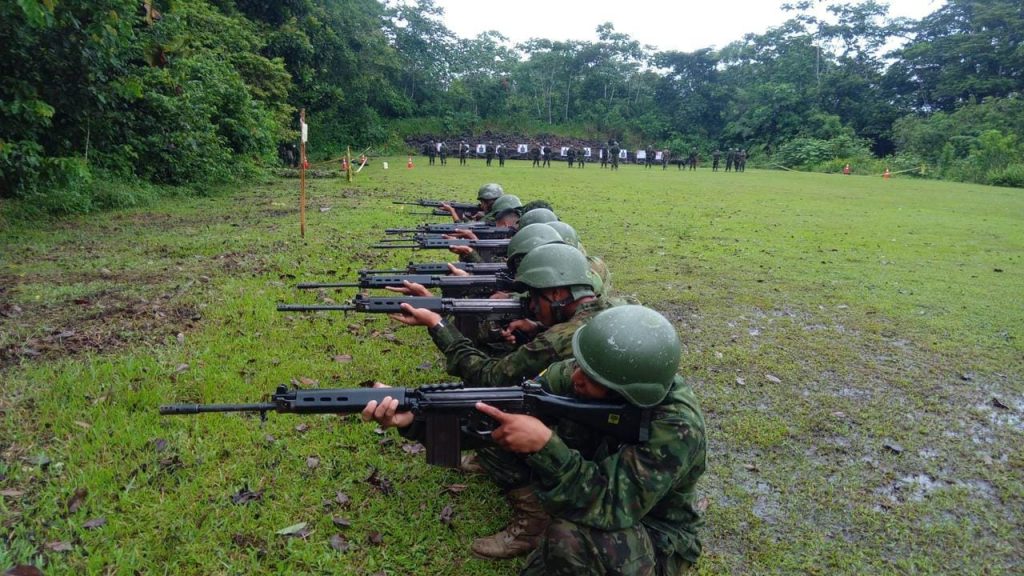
{"x": 314, "y": 285}
{"x": 199, "y": 408}
{"x": 313, "y": 307}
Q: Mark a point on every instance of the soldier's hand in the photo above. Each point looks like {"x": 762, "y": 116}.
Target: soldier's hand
{"x": 528, "y": 327}
{"x": 416, "y": 316}
{"x": 516, "y": 432}
{"x": 410, "y": 289}
{"x": 454, "y": 270}
{"x": 386, "y": 413}
{"x": 461, "y": 233}
{"x": 461, "y": 250}
{"x": 450, "y": 210}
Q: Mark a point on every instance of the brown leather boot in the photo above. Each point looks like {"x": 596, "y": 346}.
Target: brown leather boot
{"x": 523, "y": 533}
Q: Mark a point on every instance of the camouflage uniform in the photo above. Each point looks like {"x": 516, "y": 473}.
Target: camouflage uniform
{"x": 478, "y": 369}
{"x": 601, "y": 276}
{"x": 617, "y": 508}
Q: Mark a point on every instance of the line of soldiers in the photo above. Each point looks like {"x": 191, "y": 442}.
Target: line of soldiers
{"x": 582, "y": 502}
{"x": 608, "y": 155}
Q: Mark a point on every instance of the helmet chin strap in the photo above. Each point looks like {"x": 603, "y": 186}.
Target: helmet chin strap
{"x": 559, "y": 308}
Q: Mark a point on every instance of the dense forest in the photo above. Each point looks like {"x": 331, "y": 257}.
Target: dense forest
{"x": 102, "y": 100}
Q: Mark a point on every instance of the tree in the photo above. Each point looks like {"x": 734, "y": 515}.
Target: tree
{"x": 967, "y": 50}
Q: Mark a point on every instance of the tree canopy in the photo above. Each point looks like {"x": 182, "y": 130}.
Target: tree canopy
{"x": 199, "y": 90}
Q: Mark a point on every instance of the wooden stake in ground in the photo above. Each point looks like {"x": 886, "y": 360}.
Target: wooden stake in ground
{"x": 348, "y": 163}
{"x": 302, "y": 172}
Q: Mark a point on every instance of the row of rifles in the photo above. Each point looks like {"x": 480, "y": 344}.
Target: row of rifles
{"x": 466, "y": 298}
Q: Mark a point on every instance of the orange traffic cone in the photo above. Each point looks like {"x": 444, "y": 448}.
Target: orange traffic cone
{"x": 409, "y": 163}
{"x": 886, "y": 174}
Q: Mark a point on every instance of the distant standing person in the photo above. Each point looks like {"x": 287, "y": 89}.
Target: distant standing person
{"x": 741, "y": 160}
{"x": 535, "y": 155}
{"x": 716, "y": 157}
{"x": 570, "y": 156}
{"x": 489, "y": 152}
{"x": 442, "y": 151}
{"x": 649, "y": 157}
{"x": 693, "y": 159}
{"x": 730, "y": 159}
{"x": 664, "y": 159}
{"x": 581, "y": 158}
{"x": 546, "y": 152}
{"x": 463, "y": 152}
{"x": 603, "y": 152}
{"x": 431, "y": 152}
{"x": 501, "y": 151}
{"x": 615, "y": 155}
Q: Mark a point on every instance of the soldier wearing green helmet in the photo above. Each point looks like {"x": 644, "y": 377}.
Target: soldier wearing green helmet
{"x": 567, "y": 232}
{"x": 505, "y": 210}
{"x": 537, "y": 216}
{"x": 602, "y": 275}
{"x": 561, "y": 299}
{"x": 586, "y": 503}
{"x": 528, "y": 238}
{"x": 487, "y": 194}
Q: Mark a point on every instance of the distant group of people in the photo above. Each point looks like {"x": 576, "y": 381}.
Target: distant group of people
{"x": 609, "y": 155}
{"x": 735, "y": 158}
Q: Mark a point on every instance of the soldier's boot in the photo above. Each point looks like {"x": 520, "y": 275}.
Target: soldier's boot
{"x": 524, "y": 531}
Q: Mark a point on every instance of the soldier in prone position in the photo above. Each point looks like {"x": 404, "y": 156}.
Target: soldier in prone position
{"x": 561, "y": 299}
{"x": 584, "y": 502}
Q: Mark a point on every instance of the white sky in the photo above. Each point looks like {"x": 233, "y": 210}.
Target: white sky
{"x": 683, "y": 25}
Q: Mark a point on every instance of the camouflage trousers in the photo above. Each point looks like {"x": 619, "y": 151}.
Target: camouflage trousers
{"x": 571, "y": 549}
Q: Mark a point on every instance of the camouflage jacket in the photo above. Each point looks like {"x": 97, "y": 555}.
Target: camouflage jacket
{"x": 478, "y": 369}
{"x": 596, "y": 481}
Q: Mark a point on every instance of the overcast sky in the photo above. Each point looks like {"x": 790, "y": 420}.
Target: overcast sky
{"x": 669, "y": 25}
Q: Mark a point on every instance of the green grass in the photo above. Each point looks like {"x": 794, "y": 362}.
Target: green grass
{"x": 856, "y": 342}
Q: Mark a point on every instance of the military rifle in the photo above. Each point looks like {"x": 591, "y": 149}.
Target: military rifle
{"x": 439, "y": 203}
{"x": 482, "y": 232}
{"x": 485, "y": 268}
{"x": 486, "y": 248}
{"x": 461, "y": 208}
{"x": 451, "y": 286}
{"x": 448, "y": 411}
{"x": 501, "y": 310}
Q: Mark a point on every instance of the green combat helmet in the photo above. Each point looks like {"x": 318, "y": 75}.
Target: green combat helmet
{"x": 631, "y": 350}
{"x": 504, "y": 204}
{"x": 528, "y": 238}
{"x": 534, "y": 204}
{"x": 491, "y": 191}
{"x": 567, "y": 232}
{"x": 537, "y": 216}
{"x": 553, "y": 266}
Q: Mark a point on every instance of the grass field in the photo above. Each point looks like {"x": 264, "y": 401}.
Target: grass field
{"x": 857, "y": 343}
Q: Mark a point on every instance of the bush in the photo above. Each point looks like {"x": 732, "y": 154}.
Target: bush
{"x": 1011, "y": 177}
{"x": 824, "y": 155}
